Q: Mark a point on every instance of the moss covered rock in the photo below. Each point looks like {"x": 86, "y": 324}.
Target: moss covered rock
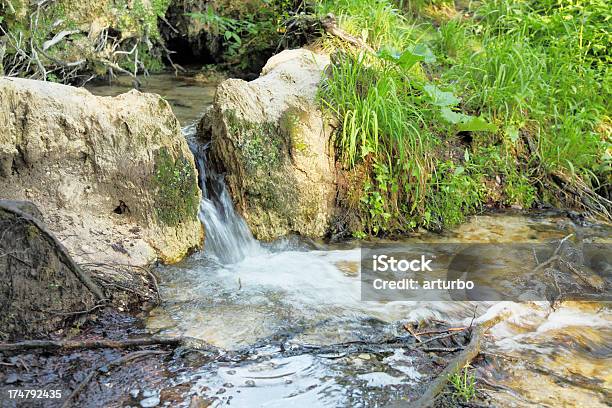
{"x": 113, "y": 177}
{"x": 273, "y": 143}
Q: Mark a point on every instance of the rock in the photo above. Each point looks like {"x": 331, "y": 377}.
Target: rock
{"x": 12, "y": 378}
{"x": 113, "y": 177}
{"x": 149, "y": 402}
{"x": 273, "y": 143}
{"x": 40, "y": 285}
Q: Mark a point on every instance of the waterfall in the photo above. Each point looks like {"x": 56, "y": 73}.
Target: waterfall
{"x": 228, "y": 238}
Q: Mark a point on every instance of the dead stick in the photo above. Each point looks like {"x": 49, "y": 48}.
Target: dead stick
{"x": 452, "y": 329}
{"x": 440, "y": 337}
{"x": 92, "y": 344}
{"x": 409, "y": 329}
{"x": 462, "y": 360}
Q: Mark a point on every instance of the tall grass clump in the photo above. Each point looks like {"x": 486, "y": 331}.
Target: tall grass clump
{"x": 541, "y": 68}
{"x": 498, "y": 105}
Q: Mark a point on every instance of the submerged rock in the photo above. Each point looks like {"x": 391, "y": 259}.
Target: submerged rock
{"x": 272, "y": 141}
{"x": 113, "y": 177}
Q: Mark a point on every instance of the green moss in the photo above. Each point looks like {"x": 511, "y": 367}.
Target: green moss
{"x": 177, "y": 188}
{"x": 261, "y": 144}
{"x": 290, "y": 125}
{"x": 262, "y": 148}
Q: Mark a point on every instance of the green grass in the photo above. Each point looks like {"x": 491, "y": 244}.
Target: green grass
{"x": 464, "y": 385}
{"x": 526, "y": 83}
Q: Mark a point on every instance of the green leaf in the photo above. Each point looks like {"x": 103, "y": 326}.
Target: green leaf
{"x": 439, "y": 97}
{"x": 424, "y": 52}
{"x": 409, "y": 57}
{"x": 513, "y": 133}
{"x": 450, "y": 116}
{"x": 459, "y": 170}
{"x": 476, "y": 124}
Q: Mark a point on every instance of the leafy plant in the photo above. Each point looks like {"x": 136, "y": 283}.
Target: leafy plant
{"x": 464, "y": 385}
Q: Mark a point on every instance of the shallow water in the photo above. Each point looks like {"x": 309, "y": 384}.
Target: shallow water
{"x": 187, "y": 97}
{"x": 310, "y": 296}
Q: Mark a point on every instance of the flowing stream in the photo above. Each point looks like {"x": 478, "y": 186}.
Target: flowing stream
{"x": 238, "y": 293}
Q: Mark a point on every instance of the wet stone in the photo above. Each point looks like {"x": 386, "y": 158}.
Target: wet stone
{"x": 149, "y": 402}
{"x": 11, "y": 379}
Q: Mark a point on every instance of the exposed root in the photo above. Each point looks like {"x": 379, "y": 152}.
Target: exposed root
{"x": 574, "y": 189}
{"x": 60, "y": 249}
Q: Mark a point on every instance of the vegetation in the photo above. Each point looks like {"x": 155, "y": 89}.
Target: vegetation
{"x": 464, "y": 385}
{"x": 177, "y": 187}
{"x": 69, "y": 42}
{"x": 249, "y": 33}
{"x": 501, "y": 103}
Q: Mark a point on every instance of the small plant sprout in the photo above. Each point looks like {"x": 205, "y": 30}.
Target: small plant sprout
{"x": 464, "y": 384}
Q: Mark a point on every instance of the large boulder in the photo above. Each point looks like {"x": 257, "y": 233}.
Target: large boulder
{"x": 272, "y": 142}
{"x": 113, "y": 177}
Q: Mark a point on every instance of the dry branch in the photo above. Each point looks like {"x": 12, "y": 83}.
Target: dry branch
{"x": 331, "y": 27}
{"x": 91, "y": 344}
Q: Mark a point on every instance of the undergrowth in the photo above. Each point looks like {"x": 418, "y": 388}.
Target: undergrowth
{"x": 463, "y": 108}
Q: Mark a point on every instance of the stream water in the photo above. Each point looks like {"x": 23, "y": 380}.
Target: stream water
{"x": 238, "y": 293}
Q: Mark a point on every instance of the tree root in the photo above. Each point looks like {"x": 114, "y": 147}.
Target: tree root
{"x": 60, "y": 249}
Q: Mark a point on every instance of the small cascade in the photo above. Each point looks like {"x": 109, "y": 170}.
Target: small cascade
{"x": 228, "y": 238}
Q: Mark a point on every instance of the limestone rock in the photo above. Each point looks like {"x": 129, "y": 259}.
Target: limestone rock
{"x": 113, "y": 177}
{"x": 271, "y": 140}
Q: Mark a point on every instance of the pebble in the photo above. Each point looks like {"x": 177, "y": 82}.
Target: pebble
{"x": 149, "y": 402}
{"x": 249, "y": 383}
{"x": 11, "y": 379}
{"x": 134, "y": 392}
{"x": 148, "y": 393}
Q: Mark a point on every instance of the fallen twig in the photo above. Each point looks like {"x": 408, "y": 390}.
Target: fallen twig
{"x": 450, "y": 329}
{"x": 331, "y": 27}
{"x": 92, "y": 344}
{"x": 462, "y": 360}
